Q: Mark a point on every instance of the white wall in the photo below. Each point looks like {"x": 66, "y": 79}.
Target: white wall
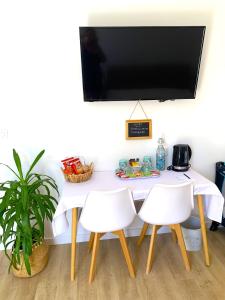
{"x": 41, "y": 89}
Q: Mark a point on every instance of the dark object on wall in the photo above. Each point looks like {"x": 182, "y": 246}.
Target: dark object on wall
{"x": 181, "y": 157}
{"x": 219, "y": 180}
{"x": 148, "y": 63}
{"x": 138, "y": 129}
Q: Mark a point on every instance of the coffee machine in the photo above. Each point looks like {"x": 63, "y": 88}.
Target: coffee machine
{"x": 181, "y": 156}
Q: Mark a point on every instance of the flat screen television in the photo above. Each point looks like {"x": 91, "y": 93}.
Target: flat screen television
{"x": 140, "y": 63}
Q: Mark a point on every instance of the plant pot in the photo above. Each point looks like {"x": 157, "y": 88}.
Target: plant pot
{"x": 38, "y": 261}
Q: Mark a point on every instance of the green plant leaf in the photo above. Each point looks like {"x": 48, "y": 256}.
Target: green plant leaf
{"x": 34, "y": 163}
{"x": 26, "y": 258}
{"x": 24, "y": 206}
{"x": 39, "y": 220}
{"x": 35, "y": 185}
{"x": 11, "y": 170}
{"x": 9, "y": 243}
{"x": 24, "y": 196}
{"x": 37, "y": 237}
{"x": 46, "y": 178}
{"x": 42, "y": 207}
{"x": 18, "y": 163}
{"x": 6, "y": 253}
{"x": 6, "y": 232}
{"x": 18, "y": 240}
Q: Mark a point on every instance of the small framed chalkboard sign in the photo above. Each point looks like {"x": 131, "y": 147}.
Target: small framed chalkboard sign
{"x": 138, "y": 129}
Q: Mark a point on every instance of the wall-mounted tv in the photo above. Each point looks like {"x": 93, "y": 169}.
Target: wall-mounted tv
{"x": 147, "y": 63}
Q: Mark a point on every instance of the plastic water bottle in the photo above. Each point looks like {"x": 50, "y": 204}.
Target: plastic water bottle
{"x": 160, "y": 155}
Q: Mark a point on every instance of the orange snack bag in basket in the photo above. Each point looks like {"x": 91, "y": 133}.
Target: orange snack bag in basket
{"x": 68, "y": 170}
{"x": 76, "y": 166}
{"x": 66, "y": 161}
{"x": 72, "y": 165}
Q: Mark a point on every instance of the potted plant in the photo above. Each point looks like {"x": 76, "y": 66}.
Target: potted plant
{"x": 25, "y": 204}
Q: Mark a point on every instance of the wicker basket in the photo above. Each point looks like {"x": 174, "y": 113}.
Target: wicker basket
{"x": 80, "y": 177}
{"x": 38, "y": 261}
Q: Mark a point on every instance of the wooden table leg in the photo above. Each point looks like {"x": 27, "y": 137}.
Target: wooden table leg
{"x": 203, "y": 229}
{"x": 73, "y": 243}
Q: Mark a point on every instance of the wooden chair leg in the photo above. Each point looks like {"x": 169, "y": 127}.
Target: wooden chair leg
{"x": 126, "y": 252}
{"x": 174, "y": 236}
{"x": 73, "y": 243}
{"x": 178, "y": 231}
{"x": 93, "y": 258}
{"x": 143, "y": 232}
{"x": 91, "y": 241}
{"x": 151, "y": 248}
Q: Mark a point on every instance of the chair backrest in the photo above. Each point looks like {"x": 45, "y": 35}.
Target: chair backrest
{"x": 107, "y": 211}
{"x": 168, "y": 204}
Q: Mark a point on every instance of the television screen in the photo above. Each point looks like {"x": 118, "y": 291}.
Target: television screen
{"x": 140, "y": 63}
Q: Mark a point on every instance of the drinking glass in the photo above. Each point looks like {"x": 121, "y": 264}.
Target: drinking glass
{"x": 147, "y": 161}
{"x": 123, "y": 164}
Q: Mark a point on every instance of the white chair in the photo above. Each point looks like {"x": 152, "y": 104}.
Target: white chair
{"x": 108, "y": 211}
{"x": 167, "y": 205}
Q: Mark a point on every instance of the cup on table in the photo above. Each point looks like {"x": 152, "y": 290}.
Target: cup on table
{"x": 123, "y": 163}
{"x": 147, "y": 161}
{"x": 129, "y": 170}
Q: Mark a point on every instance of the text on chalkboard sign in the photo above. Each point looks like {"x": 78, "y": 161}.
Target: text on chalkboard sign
{"x": 139, "y": 129}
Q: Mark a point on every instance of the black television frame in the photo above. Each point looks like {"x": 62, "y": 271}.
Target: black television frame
{"x": 162, "y": 99}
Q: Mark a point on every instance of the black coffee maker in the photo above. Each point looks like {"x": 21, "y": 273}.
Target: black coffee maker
{"x": 181, "y": 156}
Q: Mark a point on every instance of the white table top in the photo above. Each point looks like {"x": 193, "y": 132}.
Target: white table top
{"x": 74, "y": 194}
